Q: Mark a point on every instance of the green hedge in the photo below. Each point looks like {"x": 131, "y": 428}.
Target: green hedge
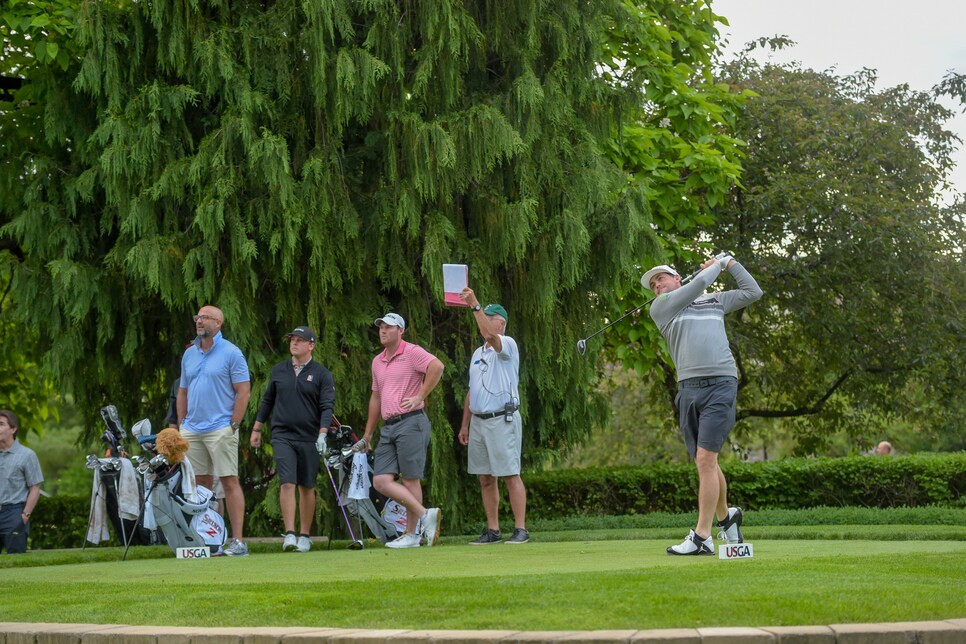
{"x": 61, "y": 522}
{"x": 862, "y": 481}
{"x": 865, "y": 481}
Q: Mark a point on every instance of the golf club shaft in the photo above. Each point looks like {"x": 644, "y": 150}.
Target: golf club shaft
{"x": 633, "y": 311}
{"x": 629, "y": 313}
{"x": 338, "y": 498}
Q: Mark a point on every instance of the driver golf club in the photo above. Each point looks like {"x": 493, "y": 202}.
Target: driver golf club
{"x": 582, "y": 344}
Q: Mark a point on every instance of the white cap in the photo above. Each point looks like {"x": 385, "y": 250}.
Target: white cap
{"x": 657, "y": 270}
{"x": 392, "y": 319}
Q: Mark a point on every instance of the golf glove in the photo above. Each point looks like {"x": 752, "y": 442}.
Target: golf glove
{"x": 320, "y": 444}
{"x": 362, "y": 445}
{"x": 724, "y": 259}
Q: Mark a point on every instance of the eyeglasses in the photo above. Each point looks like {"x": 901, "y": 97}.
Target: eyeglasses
{"x": 203, "y": 318}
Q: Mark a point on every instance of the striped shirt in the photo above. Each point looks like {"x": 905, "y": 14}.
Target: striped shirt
{"x": 399, "y": 376}
{"x": 692, "y": 322}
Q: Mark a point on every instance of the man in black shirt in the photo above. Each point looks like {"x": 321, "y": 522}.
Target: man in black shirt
{"x": 300, "y": 398}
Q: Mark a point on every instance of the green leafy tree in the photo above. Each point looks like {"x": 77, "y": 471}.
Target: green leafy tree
{"x": 839, "y": 220}
{"x": 317, "y": 162}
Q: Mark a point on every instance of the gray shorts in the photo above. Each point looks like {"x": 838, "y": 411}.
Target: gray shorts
{"x": 402, "y": 447}
{"x": 495, "y": 446}
{"x": 706, "y": 411}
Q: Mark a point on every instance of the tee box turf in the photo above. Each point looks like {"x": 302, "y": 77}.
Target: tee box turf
{"x": 736, "y": 551}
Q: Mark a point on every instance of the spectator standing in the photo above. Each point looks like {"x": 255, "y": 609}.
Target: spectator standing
{"x": 403, "y": 375}
{"x": 491, "y": 426}
{"x": 20, "y": 479}
{"x": 215, "y": 389}
{"x": 300, "y": 398}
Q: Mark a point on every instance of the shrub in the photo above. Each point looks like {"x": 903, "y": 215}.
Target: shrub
{"x": 862, "y": 481}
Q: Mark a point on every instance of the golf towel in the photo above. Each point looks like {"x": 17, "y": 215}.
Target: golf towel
{"x": 359, "y": 477}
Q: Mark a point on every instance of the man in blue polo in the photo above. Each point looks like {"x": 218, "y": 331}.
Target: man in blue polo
{"x": 20, "y": 479}
{"x": 214, "y": 392}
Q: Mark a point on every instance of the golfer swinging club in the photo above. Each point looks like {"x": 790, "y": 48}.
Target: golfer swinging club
{"x": 692, "y": 322}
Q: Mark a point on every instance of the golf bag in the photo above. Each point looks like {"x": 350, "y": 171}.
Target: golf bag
{"x": 185, "y": 517}
{"x": 174, "y": 503}
{"x": 341, "y": 438}
{"x": 117, "y": 494}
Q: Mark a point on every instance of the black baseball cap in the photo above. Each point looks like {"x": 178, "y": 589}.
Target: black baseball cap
{"x": 303, "y": 332}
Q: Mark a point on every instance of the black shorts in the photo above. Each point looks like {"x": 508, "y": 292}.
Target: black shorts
{"x": 706, "y": 411}
{"x": 296, "y": 461}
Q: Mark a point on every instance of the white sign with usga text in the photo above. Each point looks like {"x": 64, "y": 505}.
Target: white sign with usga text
{"x": 736, "y": 551}
{"x": 194, "y": 552}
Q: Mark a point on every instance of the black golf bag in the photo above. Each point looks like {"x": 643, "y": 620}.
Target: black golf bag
{"x": 117, "y": 495}
{"x": 341, "y": 438}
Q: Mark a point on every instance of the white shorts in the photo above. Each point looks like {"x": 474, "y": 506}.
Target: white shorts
{"x": 495, "y": 446}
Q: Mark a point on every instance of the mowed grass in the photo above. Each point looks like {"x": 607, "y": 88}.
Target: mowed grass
{"x": 563, "y": 584}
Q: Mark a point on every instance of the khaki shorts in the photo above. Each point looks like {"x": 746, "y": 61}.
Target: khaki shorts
{"x": 495, "y": 446}
{"x": 213, "y": 453}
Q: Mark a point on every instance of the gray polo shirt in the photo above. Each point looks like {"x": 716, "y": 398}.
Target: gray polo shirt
{"x": 692, "y": 322}
{"x": 19, "y": 471}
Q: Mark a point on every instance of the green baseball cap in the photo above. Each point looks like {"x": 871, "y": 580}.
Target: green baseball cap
{"x": 496, "y": 309}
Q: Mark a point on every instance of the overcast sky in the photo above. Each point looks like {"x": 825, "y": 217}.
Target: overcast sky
{"x": 906, "y": 42}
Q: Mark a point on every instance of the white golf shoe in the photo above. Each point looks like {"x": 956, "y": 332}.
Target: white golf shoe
{"x": 693, "y": 545}
{"x": 730, "y": 528}
{"x": 405, "y": 541}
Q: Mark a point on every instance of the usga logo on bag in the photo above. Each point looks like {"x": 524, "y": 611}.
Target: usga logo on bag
{"x": 736, "y": 551}
{"x": 202, "y": 552}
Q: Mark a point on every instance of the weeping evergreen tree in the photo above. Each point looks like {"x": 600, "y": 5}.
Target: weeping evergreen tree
{"x": 317, "y": 162}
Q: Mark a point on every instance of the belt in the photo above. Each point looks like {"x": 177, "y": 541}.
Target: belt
{"x": 4, "y": 506}
{"x": 396, "y": 419}
{"x": 694, "y": 383}
{"x": 489, "y": 416}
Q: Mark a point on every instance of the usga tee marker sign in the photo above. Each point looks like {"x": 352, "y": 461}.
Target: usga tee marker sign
{"x": 736, "y": 551}
{"x": 202, "y": 552}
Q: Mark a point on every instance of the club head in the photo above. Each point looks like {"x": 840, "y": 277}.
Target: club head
{"x": 347, "y": 452}
{"x": 581, "y": 347}
{"x": 357, "y": 545}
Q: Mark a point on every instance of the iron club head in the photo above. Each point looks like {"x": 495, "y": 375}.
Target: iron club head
{"x": 357, "y": 545}
{"x": 581, "y": 347}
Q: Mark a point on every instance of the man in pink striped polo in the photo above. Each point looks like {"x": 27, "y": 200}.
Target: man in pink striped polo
{"x": 403, "y": 375}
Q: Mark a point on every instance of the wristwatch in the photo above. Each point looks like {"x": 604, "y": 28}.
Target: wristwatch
{"x": 234, "y": 426}
{"x": 477, "y": 308}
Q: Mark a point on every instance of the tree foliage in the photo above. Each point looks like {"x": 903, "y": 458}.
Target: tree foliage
{"x": 861, "y": 265}
{"x": 839, "y": 220}
{"x": 300, "y": 162}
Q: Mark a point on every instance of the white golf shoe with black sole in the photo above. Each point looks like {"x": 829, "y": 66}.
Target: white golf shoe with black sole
{"x": 692, "y": 545}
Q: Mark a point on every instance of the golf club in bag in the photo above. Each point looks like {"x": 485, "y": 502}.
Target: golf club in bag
{"x": 356, "y": 544}
{"x": 173, "y": 503}
{"x": 339, "y": 457}
{"x": 582, "y": 344}
{"x": 117, "y": 496}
